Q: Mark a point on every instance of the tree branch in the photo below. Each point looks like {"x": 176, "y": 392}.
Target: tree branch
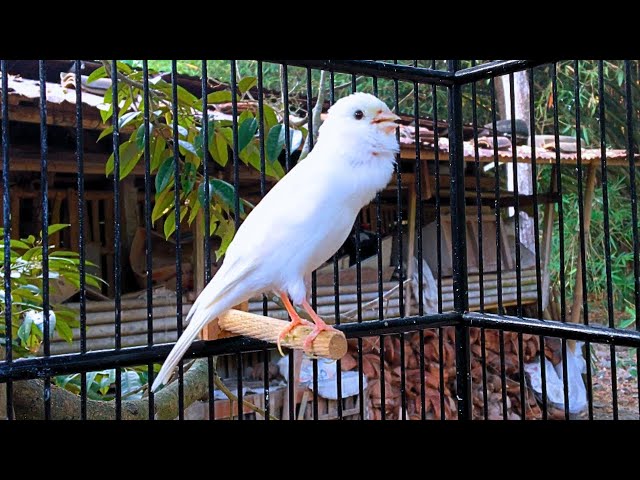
{"x": 315, "y": 116}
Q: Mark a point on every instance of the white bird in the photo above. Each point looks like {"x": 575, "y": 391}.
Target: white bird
{"x": 302, "y": 221}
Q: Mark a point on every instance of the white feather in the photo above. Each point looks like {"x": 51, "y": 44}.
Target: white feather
{"x": 303, "y": 220}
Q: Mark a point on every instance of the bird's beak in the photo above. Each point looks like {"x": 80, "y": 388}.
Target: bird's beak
{"x": 388, "y": 121}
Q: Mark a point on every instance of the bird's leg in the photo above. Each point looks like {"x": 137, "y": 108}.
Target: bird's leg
{"x": 295, "y": 320}
{"x": 320, "y": 326}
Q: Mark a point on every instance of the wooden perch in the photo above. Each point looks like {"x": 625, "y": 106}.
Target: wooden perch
{"x": 332, "y": 344}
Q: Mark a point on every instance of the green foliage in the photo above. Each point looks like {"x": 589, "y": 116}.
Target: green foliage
{"x": 101, "y": 384}
{"x": 26, "y": 291}
{"x": 620, "y": 236}
{"x": 189, "y": 154}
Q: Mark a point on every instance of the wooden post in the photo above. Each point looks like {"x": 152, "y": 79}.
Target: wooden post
{"x": 411, "y": 247}
{"x": 549, "y": 212}
{"x": 588, "y": 206}
{"x": 129, "y": 209}
{"x": 72, "y": 204}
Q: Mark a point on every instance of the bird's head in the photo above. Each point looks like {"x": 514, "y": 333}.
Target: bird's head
{"x": 362, "y": 118}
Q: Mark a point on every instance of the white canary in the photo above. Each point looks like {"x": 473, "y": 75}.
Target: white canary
{"x": 302, "y": 221}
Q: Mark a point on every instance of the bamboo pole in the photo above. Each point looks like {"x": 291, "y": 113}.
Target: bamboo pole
{"x": 328, "y": 344}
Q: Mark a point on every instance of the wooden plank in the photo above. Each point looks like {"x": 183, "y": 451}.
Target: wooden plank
{"x": 55, "y": 219}
{"x": 27, "y": 159}
{"x": 72, "y": 203}
{"x": 108, "y": 243}
{"x": 95, "y": 221}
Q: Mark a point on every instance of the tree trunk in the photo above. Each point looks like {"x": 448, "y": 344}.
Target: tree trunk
{"x": 525, "y": 186}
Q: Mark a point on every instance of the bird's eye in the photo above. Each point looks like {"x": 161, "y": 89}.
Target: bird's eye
{"x": 358, "y": 115}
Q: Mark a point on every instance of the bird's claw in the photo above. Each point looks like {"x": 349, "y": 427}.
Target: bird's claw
{"x": 317, "y": 329}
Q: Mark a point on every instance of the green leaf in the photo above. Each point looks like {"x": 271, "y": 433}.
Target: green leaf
{"x": 127, "y": 118}
{"x": 106, "y": 110}
{"x": 222, "y": 189}
{"x": 64, "y": 331}
{"x": 129, "y": 159}
{"x": 169, "y": 224}
{"x": 225, "y": 240}
{"x": 221, "y": 96}
{"x": 99, "y": 72}
{"x": 295, "y": 138}
{"x": 140, "y": 136}
{"x": 165, "y": 174}
{"x": 19, "y": 244}
{"x": 130, "y": 382}
{"x": 24, "y": 332}
{"x": 163, "y": 201}
{"x": 247, "y": 83}
{"x": 188, "y": 177}
{"x": 188, "y": 146}
{"x": 246, "y": 132}
{"x": 56, "y": 228}
{"x": 124, "y": 68}
{"x": 627, "y": 322}
{"x": 187, "y": 97}
{"x": 182, "y": 131}
{"x": 274, "y": 143}
{"x": 160, "y": 152}
{"x": 218, "y": 149}
{"x": 194, "y": 209}
{"x": 105, "y": 132}
{"x": 128, "y": 153}
{"x": 270, "y": 117}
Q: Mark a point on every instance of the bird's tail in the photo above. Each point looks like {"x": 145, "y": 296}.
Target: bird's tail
{"x": 209, "y": 305}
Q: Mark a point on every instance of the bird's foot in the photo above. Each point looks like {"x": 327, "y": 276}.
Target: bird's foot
{"x": 296, "y": 322}
{"x": 317, "y": 329}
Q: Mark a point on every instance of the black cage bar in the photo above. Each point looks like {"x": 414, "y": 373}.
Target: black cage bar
{"x": 443, "y": 314}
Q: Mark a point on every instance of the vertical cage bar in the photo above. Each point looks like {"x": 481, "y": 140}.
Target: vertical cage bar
{"x": 117, "y": 246}
{"x": 314, "y": 285}
{"x": 419, "y": 222}
{"x": 357, "y": 228}
{"x": 263, "y": 192}
{"x": 147, "y": 223}
{"x": 236, "y": 201}
{"x": 204, "y": 78}
{"x": 178, "y": 233}
{"x": 536, "y": 226}
{"x": 436, "y": 154}
{"x": 516, "y": 226}
{"x": 44, "y": 153}
{"x": 336, "y": 276}
{"x": 6, "y": 215}
{"x": 582, "y": 233}
{"x": 476, "y": 152}
{"x": 401, "y": 273}
{"x": 558, "y": 170}
{"x": 631, "y": 149}
{"x": 459, "y": 253}
{"x": 607, "y": 245}
{"x": 496, "y": 171}
{"x": 374, "y": 82}
{"x": 81, "y": 232}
